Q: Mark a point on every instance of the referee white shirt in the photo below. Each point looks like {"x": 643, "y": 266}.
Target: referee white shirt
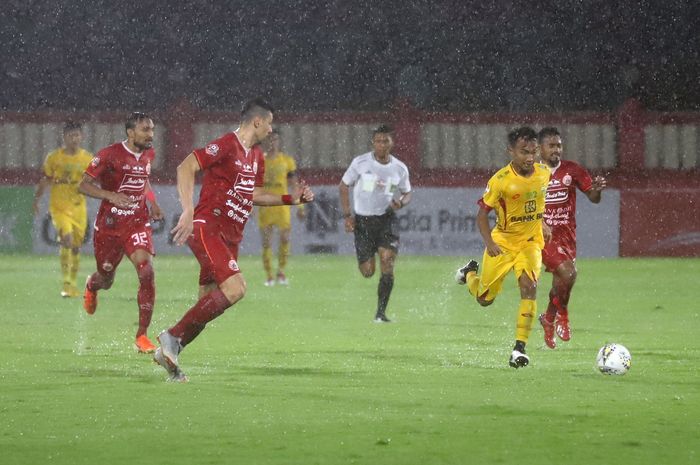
{"x": 376, "y": 184}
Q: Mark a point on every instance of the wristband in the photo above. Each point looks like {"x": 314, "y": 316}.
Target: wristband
{"x": 287, "y": 199}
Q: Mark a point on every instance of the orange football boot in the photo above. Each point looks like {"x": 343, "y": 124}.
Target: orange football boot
{"x": 89, "y": 300}
{"x": 144, "y": 345}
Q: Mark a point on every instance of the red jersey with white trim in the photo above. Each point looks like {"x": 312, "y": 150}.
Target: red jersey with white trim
{"x": 560, "y": 204}
{"x": 231, "y": 173}
{"x": 118, "y": 169}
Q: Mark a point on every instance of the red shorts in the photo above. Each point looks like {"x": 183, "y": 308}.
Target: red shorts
{"x": 111, "y": 245}
{"x": 217, "y": 256}
{"x": 555, "y": 253}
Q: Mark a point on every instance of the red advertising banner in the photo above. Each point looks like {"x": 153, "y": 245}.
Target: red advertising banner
{"x": 660, "y": 222}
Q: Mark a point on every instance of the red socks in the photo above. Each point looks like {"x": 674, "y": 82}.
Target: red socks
{"x": 146, "y": 295}
{"x": 205, "y": 310}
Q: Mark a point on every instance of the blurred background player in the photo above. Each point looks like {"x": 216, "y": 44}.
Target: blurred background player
{"x": 559, "y": 255}
{"x": 517, "y": 194}
{"x": 119, "y": 176}
{"x": 63, "y": 170}
{"x": 280, "y": 178}
{"x": 381, "y": 186}
{"x": 234, "y": 169}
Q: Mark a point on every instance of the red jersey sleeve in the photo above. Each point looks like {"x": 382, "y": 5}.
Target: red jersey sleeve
{"x": 213, "y": 152}
{"x": 98, "y": 165}
{"x": 583, "y": 179}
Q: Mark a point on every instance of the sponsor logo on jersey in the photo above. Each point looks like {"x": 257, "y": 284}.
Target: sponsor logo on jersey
{"x": 524, "y": 218}
{"x": 212, "y": 149}
{"x": 95, "y": 161}
{"x": 244, "y": 184}
{"x": 255, "y": 167}
{"x": 148, "y": 168}
{"x": 121, "y": 212}
{"x": 566, "y": 179}
{"x": 554, "y": 196}
{"x": 233, "y": 265}
{"x": 133, "y": 183}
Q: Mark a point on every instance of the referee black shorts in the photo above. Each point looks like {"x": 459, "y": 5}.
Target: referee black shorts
{"x": 372, "y": 232}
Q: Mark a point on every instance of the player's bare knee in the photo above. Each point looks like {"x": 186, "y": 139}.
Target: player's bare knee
{"x": 145, "y": 272}
{"x": 367, "y": 272}
{"x": 572, "y": 276}
{"x": 234, "y": 290}
{"x": 234, "y": 295}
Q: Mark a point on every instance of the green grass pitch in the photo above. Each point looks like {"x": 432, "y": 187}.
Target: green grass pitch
{"x": 301, "y": 375}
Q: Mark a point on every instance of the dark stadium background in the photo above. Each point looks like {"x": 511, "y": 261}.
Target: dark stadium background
{"x": 632, "y": 68}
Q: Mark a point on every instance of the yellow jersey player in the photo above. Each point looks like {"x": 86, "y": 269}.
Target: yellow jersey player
{"x": 280, "y": 178}
{"x": 517, "y": 194}
{"x": 63, "y": 170}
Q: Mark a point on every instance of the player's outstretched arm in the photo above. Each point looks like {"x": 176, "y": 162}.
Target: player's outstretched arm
{"x": 155, "y": 210}
{"x": 89, "y": 187}
{"x": 302, "y": 194}
{"x": 294, "y": 184}
{"x": 185, "y": 188}
{"x": 594, "y": 193}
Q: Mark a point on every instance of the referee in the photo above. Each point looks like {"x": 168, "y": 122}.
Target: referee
{"x": 381, "y": 186}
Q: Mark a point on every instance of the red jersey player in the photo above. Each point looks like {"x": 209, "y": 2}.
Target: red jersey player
{"x": 559, "y": 254}
{"x": 233, "y": 169}
{"x": 119, "y": 176}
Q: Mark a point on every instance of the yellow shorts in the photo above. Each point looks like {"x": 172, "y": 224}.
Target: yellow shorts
{"x": 279, "y": 216}
{"x": 494, "y": 269}
{"x": 73, "y": 223}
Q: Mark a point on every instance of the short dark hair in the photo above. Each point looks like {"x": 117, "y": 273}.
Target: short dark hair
{"x": 523, "y": 132}
{"x": 383, "y": 129}
{"x": 549, "y": 131}
{"x": 71, "y": 126}
{"x": 255, "y": 107}
{"x": 134, "y": 118}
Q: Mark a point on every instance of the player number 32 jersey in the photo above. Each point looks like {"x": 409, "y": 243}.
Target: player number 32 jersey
{"x": 118, "y": 169}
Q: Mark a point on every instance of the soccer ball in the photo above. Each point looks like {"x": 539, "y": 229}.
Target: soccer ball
{"x": 613, "y": 359}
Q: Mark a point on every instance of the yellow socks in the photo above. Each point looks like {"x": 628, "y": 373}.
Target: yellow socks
{"x": 283, "y": 256}
{"x": 64, "y": 254}
{"x": 74, "y": 265}
{"x": 526, "y": 313}
{"x": 473, "y": 283}
{"x": 267, "y": 261}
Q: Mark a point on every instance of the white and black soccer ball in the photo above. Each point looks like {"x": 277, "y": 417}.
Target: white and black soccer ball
{"x": 614, "y": 359}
